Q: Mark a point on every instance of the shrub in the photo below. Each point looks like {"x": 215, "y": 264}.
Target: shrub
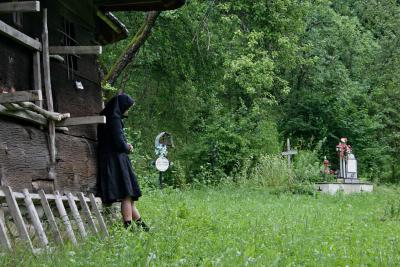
{"x": 271, "y": 171}
{"x": 306, "y": 167}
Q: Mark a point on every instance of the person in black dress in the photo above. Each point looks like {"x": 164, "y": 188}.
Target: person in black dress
{"x": 116, "y": 181}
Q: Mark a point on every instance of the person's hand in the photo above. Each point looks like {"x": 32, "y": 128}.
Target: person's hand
{"x": 130, "y": 148}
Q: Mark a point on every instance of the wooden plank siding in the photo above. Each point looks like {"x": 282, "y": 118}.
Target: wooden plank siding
{"x": 25, "y": 6}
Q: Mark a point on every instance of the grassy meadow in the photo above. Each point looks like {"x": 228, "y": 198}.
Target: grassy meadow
{"x": 238, "y": 226}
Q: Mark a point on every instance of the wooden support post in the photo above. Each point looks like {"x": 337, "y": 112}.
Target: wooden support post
{"x": 35, "y": 218}
{"x": 50, "y": 217}
{"x": 99, "y": 217}
{"x": 25, "y": 6}
{"x": 87, "y": 212}
{"x": 5, "y": 242}
{"x": 37, "y": 76}
{"x": 17, "y": 217}
{"x": 75, "y": 50}
{"x": 49, "y": 97}
{"x": 46, "y": 63}
{"x": 21, "y": 96}
{"x": 19, "y": 37}
{"x": 82, "y": 121}
{"x": 64, "y": 217}
{"x": 77, "y": 217}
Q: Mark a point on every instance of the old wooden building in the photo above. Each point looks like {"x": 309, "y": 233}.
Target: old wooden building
{"x": 50, "y": 94}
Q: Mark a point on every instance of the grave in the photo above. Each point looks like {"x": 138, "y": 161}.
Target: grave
{"x": 162, "y": 164}
{"x": 289, "y": 153}
{"x": 347, "y": 177}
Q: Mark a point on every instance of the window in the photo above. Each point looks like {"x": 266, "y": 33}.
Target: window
{"x": 68, "y": 32}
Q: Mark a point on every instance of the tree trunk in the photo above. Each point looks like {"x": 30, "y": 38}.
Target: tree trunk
{"x": 131, "y": 50}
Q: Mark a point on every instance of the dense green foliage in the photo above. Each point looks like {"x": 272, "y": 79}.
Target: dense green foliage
{"x": 231, "y": 80}
{"x": 239, "y": 226}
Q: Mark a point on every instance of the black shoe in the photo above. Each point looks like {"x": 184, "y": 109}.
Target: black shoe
{"x": 142, "y": 224}
{"x": 127, "y": 224}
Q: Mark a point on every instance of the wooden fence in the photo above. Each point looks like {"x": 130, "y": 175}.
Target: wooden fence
{"x": 45, "y": 201}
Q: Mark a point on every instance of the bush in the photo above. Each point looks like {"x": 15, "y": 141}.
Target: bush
{"x": 175, "y": 176}
{"x": 272, "y": 171}
{"x": 269, "y": 171}
{"x": 306, "y": 167}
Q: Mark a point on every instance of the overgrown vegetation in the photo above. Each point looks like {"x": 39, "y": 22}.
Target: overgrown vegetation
{"x": 237, "y": 226}
{"x": 231, "y": 80}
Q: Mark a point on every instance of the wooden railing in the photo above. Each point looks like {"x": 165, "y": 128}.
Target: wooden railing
{"x": 46, "y": 200}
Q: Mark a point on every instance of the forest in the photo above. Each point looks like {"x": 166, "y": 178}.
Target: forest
{"x": 232, "y": 80}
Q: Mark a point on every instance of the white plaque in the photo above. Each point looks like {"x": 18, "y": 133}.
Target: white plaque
{"x": 351, "y": 164}
{"x": 162, "y": 164}
{"x": 79, "y": 85}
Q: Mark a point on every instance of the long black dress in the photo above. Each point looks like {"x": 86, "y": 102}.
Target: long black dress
{"x": 116, "y": 179}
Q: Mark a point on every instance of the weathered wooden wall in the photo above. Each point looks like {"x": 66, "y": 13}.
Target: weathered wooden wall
{"x": 24, "y": 153}
{"x": 24, "y": 159}
{"x": 68, "y": 99}
{"x": 15, "y": 70}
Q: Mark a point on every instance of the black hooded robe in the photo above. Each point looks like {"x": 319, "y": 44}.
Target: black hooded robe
{"x": 116, "y": 179}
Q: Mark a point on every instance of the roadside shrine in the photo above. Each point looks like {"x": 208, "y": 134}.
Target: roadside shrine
{"x": 347, "y": 179}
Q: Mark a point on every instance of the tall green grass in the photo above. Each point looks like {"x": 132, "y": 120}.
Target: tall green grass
{"x": 239, "y": 226}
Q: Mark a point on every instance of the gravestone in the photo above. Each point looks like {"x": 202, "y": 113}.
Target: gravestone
{"x": 347, "y": 163}
{"x": 351, "y": 171}
{"x": 347, "y": 177}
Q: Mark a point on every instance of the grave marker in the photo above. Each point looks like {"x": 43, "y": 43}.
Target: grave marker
{"x": 347, "y": 162}
{"x": 289, "y": 152}
{"x": 161, "y": 143}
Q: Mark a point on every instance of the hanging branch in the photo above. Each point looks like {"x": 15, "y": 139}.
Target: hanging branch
{"x": 133, "y": 47}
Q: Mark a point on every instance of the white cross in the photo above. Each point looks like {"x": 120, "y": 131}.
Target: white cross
{"x": 289, "y": 152}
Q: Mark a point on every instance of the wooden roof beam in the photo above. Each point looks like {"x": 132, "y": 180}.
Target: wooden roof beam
{"x": 21, "y": 96}
{"x": 19, "y": 37}
{"x": 138, "y": 5}
{"x": 82, "y": 121}
{"x": 25, "y": 6}
{"x": 76, "y": 50}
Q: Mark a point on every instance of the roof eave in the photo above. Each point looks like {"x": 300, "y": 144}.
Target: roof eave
{"x": 142, "y": 5}
{"x": 116, "y": 29}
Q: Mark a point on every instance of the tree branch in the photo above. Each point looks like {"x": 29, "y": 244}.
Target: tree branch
{"x": 133, "y": 47}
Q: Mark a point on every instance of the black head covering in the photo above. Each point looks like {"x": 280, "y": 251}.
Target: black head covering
{"x": 117, "y": 106}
